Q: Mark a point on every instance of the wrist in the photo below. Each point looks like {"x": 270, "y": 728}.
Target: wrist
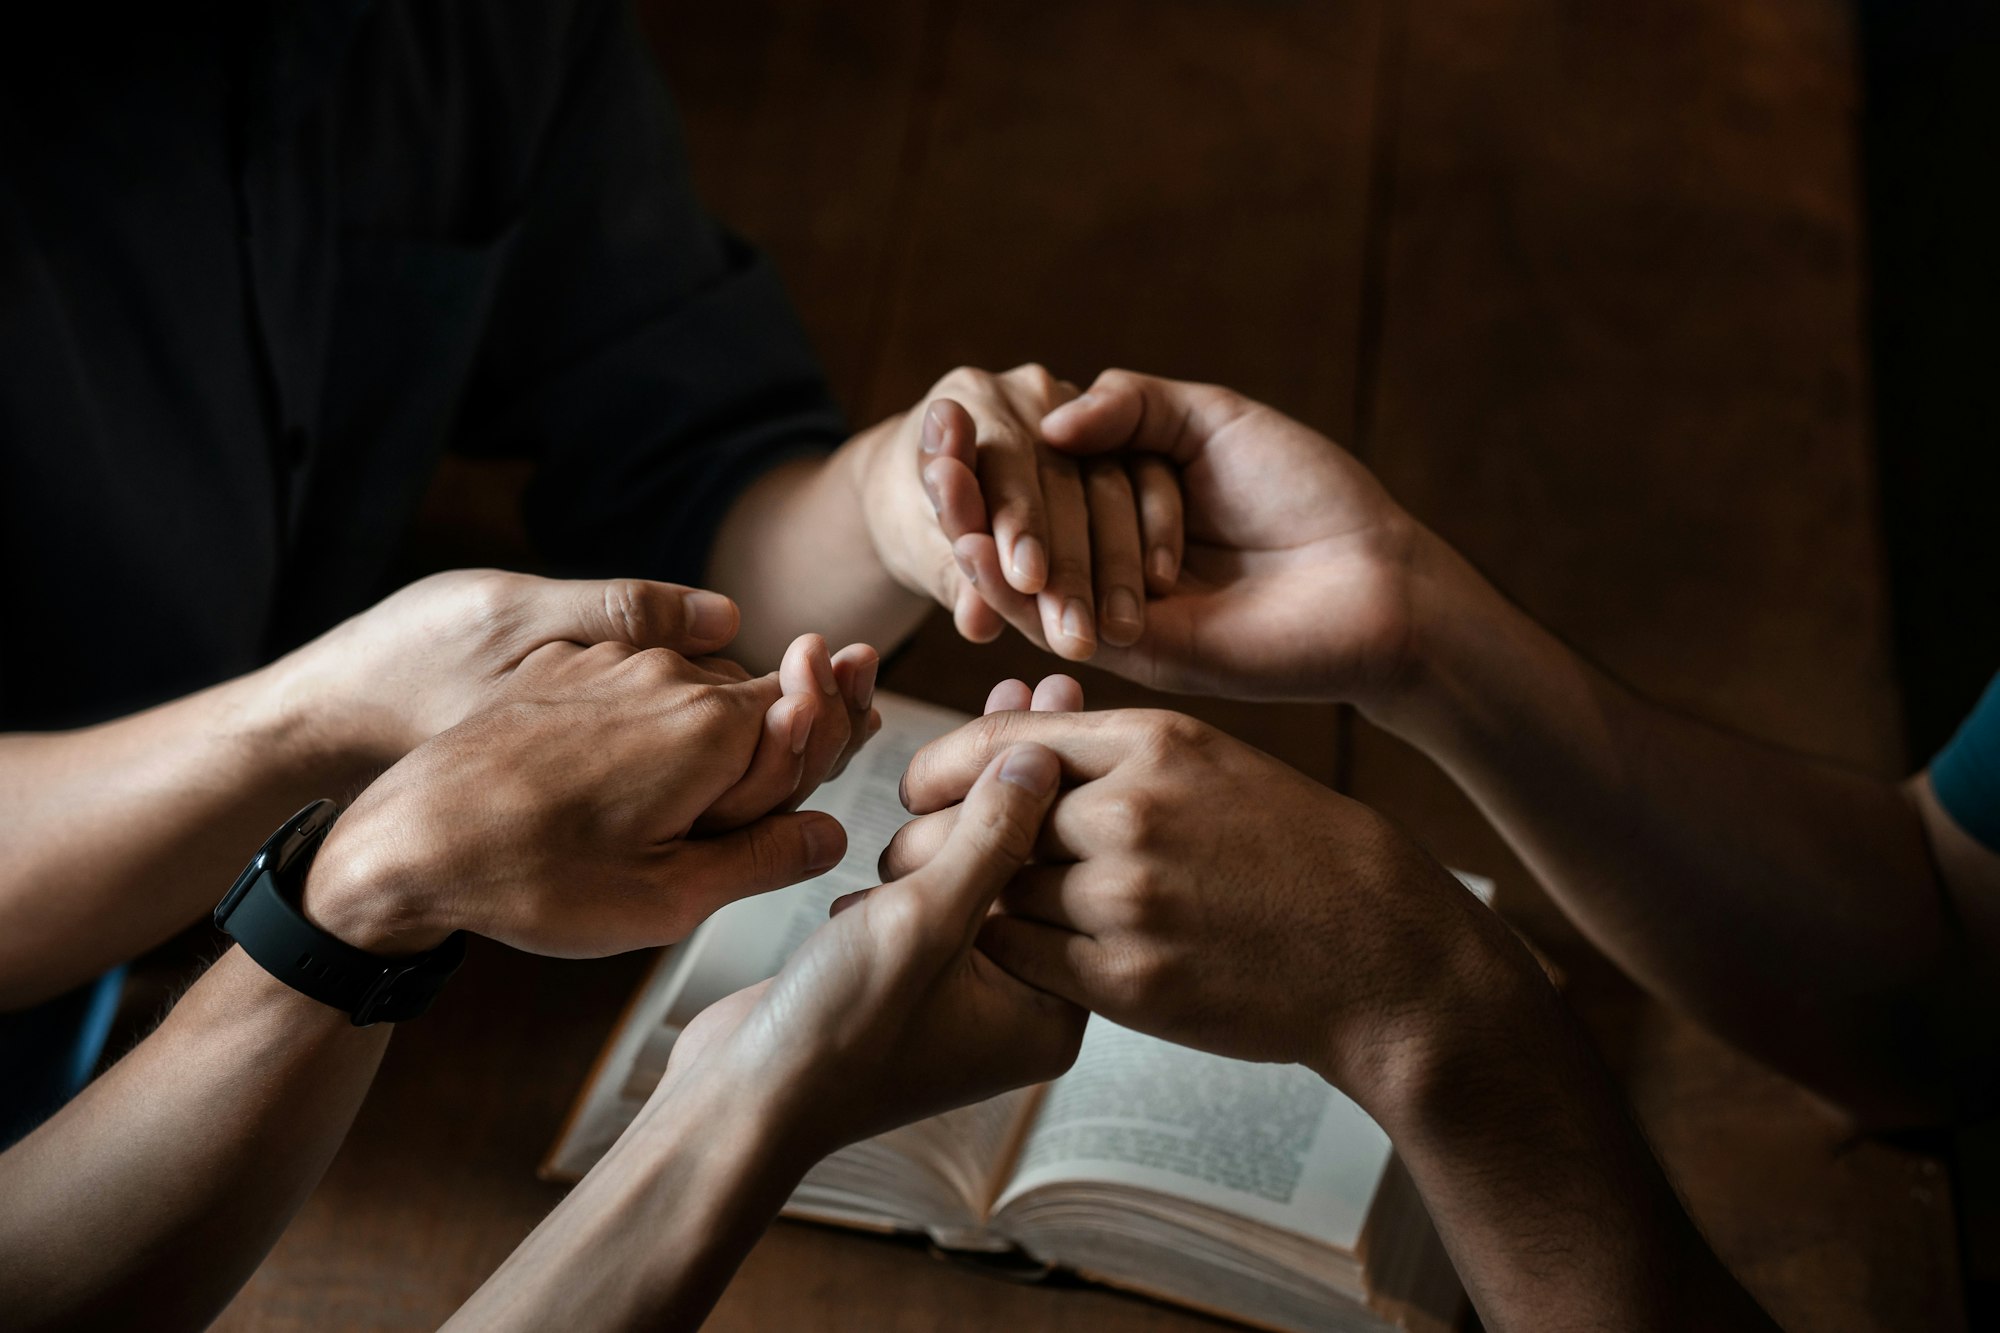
{"x": 761, "y": 1112}
{"x": 362, "y": 891}
{"x": 864, "y": 469}
{"x": 1487, "y": 1020}
{"x": 1466, "y": 650}
{"x": 311, "y": 727}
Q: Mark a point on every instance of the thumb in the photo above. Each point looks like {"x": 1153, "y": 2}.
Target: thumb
{"x": 1126, "y": 410}
{"x": 645, "y": 614}
{"x": 993, "y": 837}
{"x": 769, "y": 854}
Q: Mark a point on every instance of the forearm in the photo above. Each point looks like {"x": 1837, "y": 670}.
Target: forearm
{"x": 152, "y": 1197}
{"x": 796, "y": 555}
{"x": 654, "y": 1233}
{"x": 1788, "y": 904}
{"x": 122, "y": 834}
{"x": 1552, "y": 1208}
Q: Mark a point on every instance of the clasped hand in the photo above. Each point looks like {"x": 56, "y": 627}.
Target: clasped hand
{"x": 1189, "y": 886}
{"x": 1229, "y": 548}
{"x": 967, "y": 504}
{"x": 606, "y": 798}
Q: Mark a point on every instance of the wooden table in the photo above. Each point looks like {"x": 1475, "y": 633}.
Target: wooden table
{"x": 1582, "y": 282}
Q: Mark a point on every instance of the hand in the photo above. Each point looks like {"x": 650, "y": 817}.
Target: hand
{"x": 572, "y": 818}
{"x": 968, "y": 465}
{"x": 1194, "y": 888}
{"x": 887, "y": 1013}
{"x": 432, "y": 654}
{"x": 1297, "y": 577}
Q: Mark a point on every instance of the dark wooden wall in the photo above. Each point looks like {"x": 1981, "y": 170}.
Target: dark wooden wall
{"x": 1583, "y": 282}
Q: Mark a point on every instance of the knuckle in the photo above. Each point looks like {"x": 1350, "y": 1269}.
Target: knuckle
{"x": 1136, "y": 816}
{"x": 601, "y": 657}
{"x": 699, "y": 713}
{"x": 1117, "y": 380}
{"x": 1137, "y": 903}
{"x": 636, "y": 612}
{"x": 1131, "y": 978}
{"x": 967, "y": 750}
{"x": 712, "y": 708}
{"x": 655, "y": 665}
{"x": 1034, "y": 375}
{"x": 489, "y": 598}
{"x": 894, "y": 861}
{"x": 960, "y": 378}
{"x": 1225, "y": 402}
{"x": 897, "y": 913}
{"x": 1170, "y": 737}
{"x": 730, "y": 672}
{"x": 766, "y": 854}
{"x": 918, "y": 841}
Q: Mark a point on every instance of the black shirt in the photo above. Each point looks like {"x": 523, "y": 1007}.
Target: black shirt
{"x": 262, "y": 262}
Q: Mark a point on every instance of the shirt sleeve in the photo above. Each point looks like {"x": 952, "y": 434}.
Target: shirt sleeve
{"x": 647, "y": 359}
{"x": 1966, "y": 773}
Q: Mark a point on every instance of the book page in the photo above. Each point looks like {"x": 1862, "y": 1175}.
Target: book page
{"x": 750, "y": 939}
{"x": 1271, "y": 1143}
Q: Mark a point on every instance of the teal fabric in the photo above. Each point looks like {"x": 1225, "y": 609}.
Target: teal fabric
{"x": 49, "y": 1052}
{"x": 1966, "y": 773}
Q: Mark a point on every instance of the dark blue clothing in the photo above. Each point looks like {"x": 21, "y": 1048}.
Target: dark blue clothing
{"x": 48, "y": 1053}
{"x": 263, "y": 262}
{"x": 1966, "y": 773}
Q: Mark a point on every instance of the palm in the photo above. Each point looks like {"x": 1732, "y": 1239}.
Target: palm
{"x": 1288, "y": 588}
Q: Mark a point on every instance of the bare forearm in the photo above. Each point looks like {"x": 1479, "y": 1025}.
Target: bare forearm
{"x": 1787, "y": 903}
{"x": 1552, "y": 1207}
{"x": 152, "y": 1197}
{"x": 122, "y": 834}
{"x": 653, "y": 1234}
{"x": 796, "y": 556}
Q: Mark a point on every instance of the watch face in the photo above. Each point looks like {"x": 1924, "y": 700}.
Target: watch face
{"x": 241, "y": 886}
{"x": 278, "y": 851}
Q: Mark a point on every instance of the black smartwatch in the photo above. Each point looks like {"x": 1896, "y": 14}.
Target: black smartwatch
{"x": 261, "y": 913}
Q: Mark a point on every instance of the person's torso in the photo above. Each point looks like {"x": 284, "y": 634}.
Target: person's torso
{"x": 242, "y": 281}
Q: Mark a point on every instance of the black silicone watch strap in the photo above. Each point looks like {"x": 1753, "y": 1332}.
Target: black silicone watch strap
{"x": 261, "y": 914}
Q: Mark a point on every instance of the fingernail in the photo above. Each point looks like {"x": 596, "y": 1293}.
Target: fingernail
{"x": 845, "y": 901}
{"x": 931, "y": 439}
{"x": 864, "y": 686}
{"x": 710, "y": 615}
{"x": 1162, "y": 564}
{"x": 823, "y": 672}
{"x": 824, "y": 843}
{"x": 1076, "y": 621}
{"x": 1084, "y": 401}
{"x": 1031, "y": 563}
{"x": 801, "y": 728}
{"x": 1121, "y": 609}
{"x": 1032, "y": 768}
{"x": 966, "y": 567}
{"x": 931, "y": 491}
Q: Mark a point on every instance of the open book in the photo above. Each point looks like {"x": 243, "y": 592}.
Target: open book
{"x": 1251, "y": 1191}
